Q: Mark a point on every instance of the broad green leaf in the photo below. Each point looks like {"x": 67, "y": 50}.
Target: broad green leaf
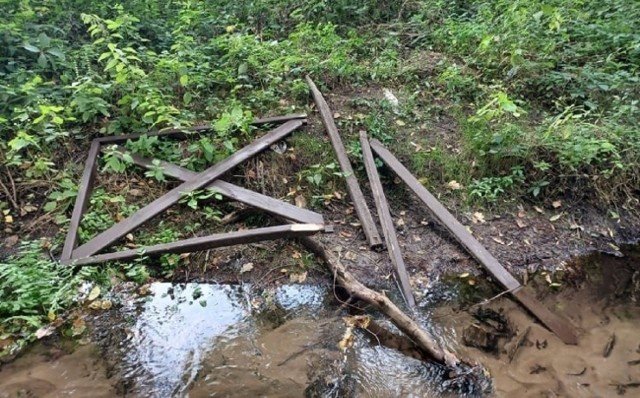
{"x": 31, "y": 48}
{"x": 184, "y": 80}
{"x": 42, "y": 61}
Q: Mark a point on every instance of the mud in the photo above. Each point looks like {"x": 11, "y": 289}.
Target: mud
{"x": 48, "y": 372}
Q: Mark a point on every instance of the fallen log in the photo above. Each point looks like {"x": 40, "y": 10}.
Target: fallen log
{"x": 558, "y": 325}
{"x": 359, "y": 203}
{"x": 388, "y": 230}
{"x": 408, "y": 326}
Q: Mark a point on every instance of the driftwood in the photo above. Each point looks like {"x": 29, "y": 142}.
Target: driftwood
{"x": 248, "y": 197}
{"x": 408, "y": 326}
{"x": 359, "y": 203}
{"x": 560, "y": 326}
{"x": 388, "y": 230}
{"x": 112, "y": 234}
{"x": 207, "y": 242}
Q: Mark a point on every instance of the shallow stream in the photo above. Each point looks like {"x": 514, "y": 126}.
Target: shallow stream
{"x": 199, "y": 340}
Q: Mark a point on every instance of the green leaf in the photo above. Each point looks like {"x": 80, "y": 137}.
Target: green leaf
{"x": 56, "y": 53}
{"x": 42, "y": 61}
{"x": 186, "y": 98}
{"x": 31, "y": 48}
{"x": 184, "y": 80}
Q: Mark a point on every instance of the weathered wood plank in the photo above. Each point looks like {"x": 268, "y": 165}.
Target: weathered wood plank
{"x": 206, "y": 243}
{"x": 561, "y": 327}
{"x": 112, "y": 234}
{"x": 359, "y": 203}
{"x": 388, "y": 230}
{"x": 82, "y": 199}
{"x": 182, "y": 132}
{"x": 248, "y": 197}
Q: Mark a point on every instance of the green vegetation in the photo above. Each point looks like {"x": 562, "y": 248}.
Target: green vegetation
{"x": 514, "y": 100}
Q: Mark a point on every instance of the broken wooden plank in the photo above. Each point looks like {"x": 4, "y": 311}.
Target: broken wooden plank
{"x": 388, "y": 229}
{"x": 561, "y": 327}
{"x": 206, "y": 243}
{"x": 278, "y": 119}
{"x": 359, "y": 203}
{"x": 183, "y": 132}
{"x": 82, "y": 199}
{"x": 248, "y": 197}
{"x": 112, "y": 234}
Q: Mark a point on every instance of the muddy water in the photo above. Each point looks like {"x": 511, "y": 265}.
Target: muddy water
{"x": 195, "y": 340}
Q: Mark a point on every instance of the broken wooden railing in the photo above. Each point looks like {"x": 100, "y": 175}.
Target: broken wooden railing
{"x": 558, "y": 325}
{"x": 308, "y": 222}
{"x": 353, "y": 188}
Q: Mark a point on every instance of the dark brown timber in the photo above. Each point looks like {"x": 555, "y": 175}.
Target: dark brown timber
{"x": 117, "y": 231}
{"x": 84, "y": 193}
{"x": 359, "y": 203}
{"x": 183, "y": 132}
{"x": 388, "y": 230}
{"x": 207, "y": 242}
{"x": 263, "y": 202}
{"x": 561, "y": 327}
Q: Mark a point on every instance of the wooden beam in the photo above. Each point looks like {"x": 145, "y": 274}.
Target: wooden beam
{"x": 359, "y": 203}
{"x": 561, "y": 327}
{"x": 254, "y": 199}
{"x": 82, "y": 199}
{"x": 203, "y": 179}
{"x": 206, "y": 243}
{"x": 388, "y": 230}
{"x": 183, "y": 132}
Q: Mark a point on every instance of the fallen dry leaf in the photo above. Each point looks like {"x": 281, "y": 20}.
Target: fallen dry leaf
{"x": 11, "y": 241}
{"x": 299, "y": 278}
{"x": 520, "y": 223}
{"x": 351, "y": 256}
{"x": 400, "y": 123}
{"x": 246, "y": 268}
{"x": 301, "y": 201}
{"x": 45, "y": 331}
{"x": 129, "y": 237}
{"x": 464, "y": 275}
{"x": 79, "y": 326}
{"x": 454, "y": 185}
{"x": 539, "y": 210}
{"x": 477, "y": 217}
{"x": 556, "y": 204}
{"x": 95, "y": 292}
{"x": 8, "y": 219}
{"x": 498, "y": 240}
{"x": 556, "y": 217}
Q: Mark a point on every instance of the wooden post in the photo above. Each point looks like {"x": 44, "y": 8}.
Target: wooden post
{"x": 388, "y": 230}
{"x": 82, "y": 199}
{"x": 561, "y": 327}
{"x": 257, "y": 200}
{"x": 117, "y": 231}
{"x": 206, "y": 243}
{"x": 359, "y": 203}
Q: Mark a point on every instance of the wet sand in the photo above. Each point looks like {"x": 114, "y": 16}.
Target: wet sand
{"x": 545, "y": 367}
{"x": 47, "y": 372}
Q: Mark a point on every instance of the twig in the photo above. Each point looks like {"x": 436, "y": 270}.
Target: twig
{"x": 11, "y": 197}
{"x": 487, "y": 301}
